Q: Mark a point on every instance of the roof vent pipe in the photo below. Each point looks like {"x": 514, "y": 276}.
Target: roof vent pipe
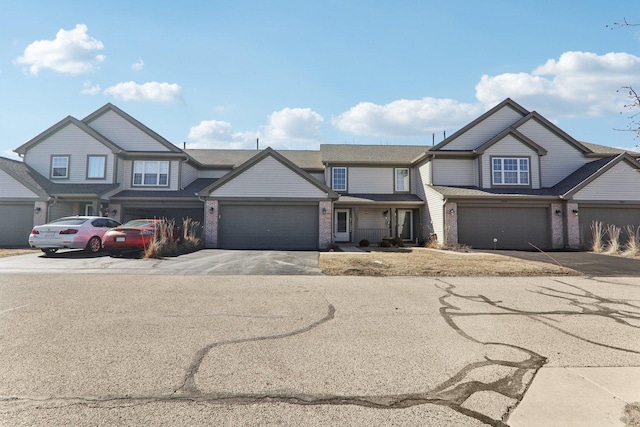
{"x": 257, "y": 143}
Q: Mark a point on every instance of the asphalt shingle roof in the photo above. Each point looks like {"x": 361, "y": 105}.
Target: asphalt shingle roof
{"x": 190, "y": 191}
{"x": 304, "y": 159}
{"x": 348, "y": 153}
{"x": 373, "y": 198}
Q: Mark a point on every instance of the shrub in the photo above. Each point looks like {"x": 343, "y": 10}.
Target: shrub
{"x": 385, "y": 244}
{"x": 397, "y": 241}
{"x": 597, "y": 233}
{"x": 364, "y": 243}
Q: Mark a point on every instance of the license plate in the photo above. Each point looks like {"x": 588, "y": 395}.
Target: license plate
{"x": 120, "y": 239}
{"x": 49, "y": 233}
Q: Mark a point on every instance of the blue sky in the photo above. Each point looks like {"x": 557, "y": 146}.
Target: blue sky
{"x": 219, "y": 74}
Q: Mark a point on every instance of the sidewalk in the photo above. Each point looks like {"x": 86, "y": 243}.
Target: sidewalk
{"x": 581, "y": 397}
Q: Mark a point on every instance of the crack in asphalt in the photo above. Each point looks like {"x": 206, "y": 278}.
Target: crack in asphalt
{"x": 452, "y": 393}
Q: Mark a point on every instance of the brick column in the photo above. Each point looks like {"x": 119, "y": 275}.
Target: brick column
{"x": 573, "y": 226}
{"x": 115, "y": 207}
{"x": 211, "y": 216}
{"x": 39, "y": 213}
{"x": 325, "y": 214}
{"x": 450, "y": 224}
{"x": 557, "y": 226}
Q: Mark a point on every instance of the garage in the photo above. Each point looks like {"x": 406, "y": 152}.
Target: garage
{"x": 15, "y": 233}
{"x": 617, "y": 215}
{"x": 268, "y": 226}
{"x": 512, "y": 227}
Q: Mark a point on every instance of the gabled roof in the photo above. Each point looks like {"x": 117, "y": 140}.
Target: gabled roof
{"x": 61, "y": 124}
{"x": 268, "y": 152}
{"x": 230, "y": 159}
{"x": 371, "y": 154}
{"x": 602, "y": 150}
{"x": 506, "y": 103}
{"x": 590, "y": 172}
{"x": 551, "y": 127}
{"x": 110, "y": 107}
{"x": 22, "y": 173}
{"x": 517, "y": 135}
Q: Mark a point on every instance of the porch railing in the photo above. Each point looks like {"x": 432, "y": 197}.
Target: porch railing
{"x": 373, "y": 235}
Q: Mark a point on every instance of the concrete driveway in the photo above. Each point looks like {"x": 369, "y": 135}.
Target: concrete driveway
{"x": 587, "y": 263}
{"x": 203, "y": 262}
{"x": 308, "y": 350}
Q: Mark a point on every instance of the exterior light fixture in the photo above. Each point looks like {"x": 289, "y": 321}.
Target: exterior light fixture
{"x": 575, "y": 212}
{"x": 558, "y": 212}
{"x": 212, "y": 209}
{"x": 114, "y": 211}
{"x": 38, "y": 209}
{"x": 324, "y": 211}
{"x": 452, "y": 211}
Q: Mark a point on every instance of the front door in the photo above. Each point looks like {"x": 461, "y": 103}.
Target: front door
{"x": 405, "y": 224}
{"x": 341, "y": 225}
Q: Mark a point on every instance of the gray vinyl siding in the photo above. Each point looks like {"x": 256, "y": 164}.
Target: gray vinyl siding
{"x": 268, "y": 178}
{"x": 189, "y": 174}
{"x": 60, "y": 209}
{"x": 125, "y": 134}
{"x": 14, "y": 189}
{"x": 455, "y": 172}
{"x": 510, "y": 147}
{"x": 562, "y": 158}
{"x": 485, "y": 130}
{"x": 621, "y": 182}
{"x": 213, "y": 173}
{"x": 319, "y": 176}
{"x": 174, "y": 167}
{"x": 75, "y": 143}
{"x": 424, "y": 172}
{"x": 435, "y": 213}
{"x": 370, "y": 180}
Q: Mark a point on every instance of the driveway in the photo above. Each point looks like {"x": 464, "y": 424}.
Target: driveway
{"x": 587, "y": 263}
{"x": 203, "y": 262}
{"x": 311, "y": 351}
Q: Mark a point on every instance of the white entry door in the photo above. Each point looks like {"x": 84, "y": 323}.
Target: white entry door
{"x": 405, "y": 224}
{"x": 341, "y": 225}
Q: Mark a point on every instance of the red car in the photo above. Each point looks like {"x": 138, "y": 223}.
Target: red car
{"x": 134, "y": 235}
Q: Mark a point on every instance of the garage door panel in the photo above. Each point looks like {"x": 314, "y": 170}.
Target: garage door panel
{"x": 608, "y": 215}
{"x": 16, "y": 224}
{"x": 512, "y": 227}
{"x": 281, "y": 227}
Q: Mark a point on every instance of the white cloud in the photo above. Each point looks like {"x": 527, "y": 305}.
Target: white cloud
{"x": 138, "y": 65}
{"x": 89, "y": 89}
{"x": 151, "y": 91}
{"x": 71, "y": 52}
{"x": 219, "y": 134}
{"x": 576, "y": 84}
{"x": 291, "y": 125}
{"x": 406, "y": 117}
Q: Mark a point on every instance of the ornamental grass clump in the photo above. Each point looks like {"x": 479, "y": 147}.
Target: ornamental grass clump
{"x": 164, "y": 242}
{"x": 613, "y": 232}
{"x": 632, "y": 247}
{"x": 191, "y": 236}
{"x": 597, "y": 234}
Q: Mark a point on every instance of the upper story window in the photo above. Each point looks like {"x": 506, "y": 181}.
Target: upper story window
{"x": 60, "y": 167}
{"x": 96, "y": 167}
{"x": 151, "y": 173}
{"x": 339, "y": 179}
{"x": 510, "y": 171}
{"x": 402, "y": 179}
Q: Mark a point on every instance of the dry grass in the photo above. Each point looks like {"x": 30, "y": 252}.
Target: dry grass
{"x": 11, "y": 252}
{"x": 430, "y": 262}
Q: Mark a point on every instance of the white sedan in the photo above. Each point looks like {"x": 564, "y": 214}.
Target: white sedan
{"x": 72, "y": 232}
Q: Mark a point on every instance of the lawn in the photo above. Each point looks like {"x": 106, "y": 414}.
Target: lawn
{"x": 432, "y": 262}
{"x": 10, "y": 252}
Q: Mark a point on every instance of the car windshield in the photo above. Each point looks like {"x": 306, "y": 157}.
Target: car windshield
{"x": 69, "y": 221}
{"x": 139, "y": 223}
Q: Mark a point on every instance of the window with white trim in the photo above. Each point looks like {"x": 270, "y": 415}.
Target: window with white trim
{"x": 60, "y": 167}
{"x": 339, "y": 178}
{"x": 96, "y": 167}
{"x": 402, "y": 179}
{"x": 151, "y": 173}
{"x": 510, "y": 170}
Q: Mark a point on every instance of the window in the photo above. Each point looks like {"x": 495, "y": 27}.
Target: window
{"x": 339, "y": 179}
{"x": 510, "y": 171}
{"x": 96, "y": 167}
{"x": 151, "y": 173}
{"x": 402, "y": 179}
{"x": 60, "y": 167}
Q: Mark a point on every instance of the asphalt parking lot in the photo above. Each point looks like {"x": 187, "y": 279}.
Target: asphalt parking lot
{"x": 124, "y": 350}
{"x": 203, "y": 262}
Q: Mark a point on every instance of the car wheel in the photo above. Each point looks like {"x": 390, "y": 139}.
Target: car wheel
{"x": 49, "y": 251}
{"x": 94, "y": 245}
